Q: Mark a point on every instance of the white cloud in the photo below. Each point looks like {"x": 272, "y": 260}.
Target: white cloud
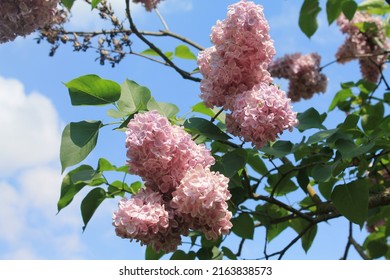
{"x": 30, "y": 180}
{"x": 30, "y": 128}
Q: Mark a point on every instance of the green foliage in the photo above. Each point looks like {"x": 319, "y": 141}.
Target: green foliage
{"x": 243, "y": 226}
{"x": 90, "y": 203}
{"x": 78, "y": 140}
{"x": 231, "y": 162}
{"x": 308, "y": 17}
{"x": 203, "y": 127}
{"x": 351, "y": 200}
{"x": 300, "y": 225}
{"x": 92, "y": 90}
{"x": 68, "y": 3}
{"x": 184, "y": 52}
{"x": 310, "y": 119}
{"x": 150, "y": 254}
{"x": 94, "y": 3}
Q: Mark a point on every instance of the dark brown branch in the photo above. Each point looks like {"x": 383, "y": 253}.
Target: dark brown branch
{"x": 134, "y": 29}
{"x": 348, "y": 246}
{"x": 272, "y": 200}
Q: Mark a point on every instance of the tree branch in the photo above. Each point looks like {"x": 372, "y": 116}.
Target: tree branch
{"x": 184, "y": 74}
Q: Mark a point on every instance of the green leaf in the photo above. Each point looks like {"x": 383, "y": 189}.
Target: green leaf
{"x": 349, "y": 149}
{"x": 133, "y": 97}
{"x": 321, "y": 136}
{"x": 303, "y": 179}
{"x": 310, "y": 119}
{"x": 256, "y": 162}
{"x": 308, "y": 17}
{"x": 150, "y": 52}
{"x": 205, "y": 128}
{"x": 322, "y": 172}
{"x": 184, "y": 52}
{"x": 340, "y": 97}
{"x": 94, "y": 3}
{"x": 69, "y": 188}
{"x": 351, "y": 200}
{"x": 326, "y": 188}
{"x": 205, "y": 253}
{"x": 201, "y": 108}
{"x": 369, "y": 4}
{"x": 231, "y": 163}
{"x": 278, "y": 149}
{"x": 333, "y": 9}
{"x": 78, "y": 140}
{"x": 90, "y": 203}
{"x": 181, "y": 255}
{"x": 169, "y": 55}
{"x": 93, "y": 90}
{"x": 166, "y": 109}
{"x": 282, "y": 183}
{"x": 349, "y": 9}
{"x": 68, "y": 3}
{"x": 243, "y": 226}
{"x": 105, "y": 165}
{"x": 307, "y": 239}
{"x": 228, "y": 253}
{"x": 150, "y": 254}
{"x": 373, "y": 116}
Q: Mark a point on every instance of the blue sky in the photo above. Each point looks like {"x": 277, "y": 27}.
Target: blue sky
{"x": 34, "y": 108}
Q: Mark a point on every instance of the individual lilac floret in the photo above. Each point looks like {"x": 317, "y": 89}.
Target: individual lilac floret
{"x": 201, "y": 198}
{"x": 368, "y": 47}
{"x": 240, "y": 56}
{"x": 22, "y": 17}
{"x": 161, "y": 153}
{"x": 261, "y": 114}
{"x": 303, "y": 73}
{"x": 148, "y": 4}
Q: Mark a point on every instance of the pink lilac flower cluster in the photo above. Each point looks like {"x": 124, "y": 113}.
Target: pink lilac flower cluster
{"x": 201, "y": 197}
{"x": 303, "y": 73}
{"x": 235, "y": 72}
{"x": 175, "y": 170}
{"x": 161, "y": 153}
{"x": 148, "y": 4}
{"x": 22, "y": 17}
{"x": 240, "y": 56}
{"x": 368, "y": 46}
{"x": 260, "y": 114}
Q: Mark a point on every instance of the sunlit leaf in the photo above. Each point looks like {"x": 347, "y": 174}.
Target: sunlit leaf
{"x": 94, "y": 3}
{"x": 133, "y": 97}
{"x": 93, "y": 90}
{"x": 184, "y": 52}
{"x": 166, "y": 109}
{"x": 78, "y": 140}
